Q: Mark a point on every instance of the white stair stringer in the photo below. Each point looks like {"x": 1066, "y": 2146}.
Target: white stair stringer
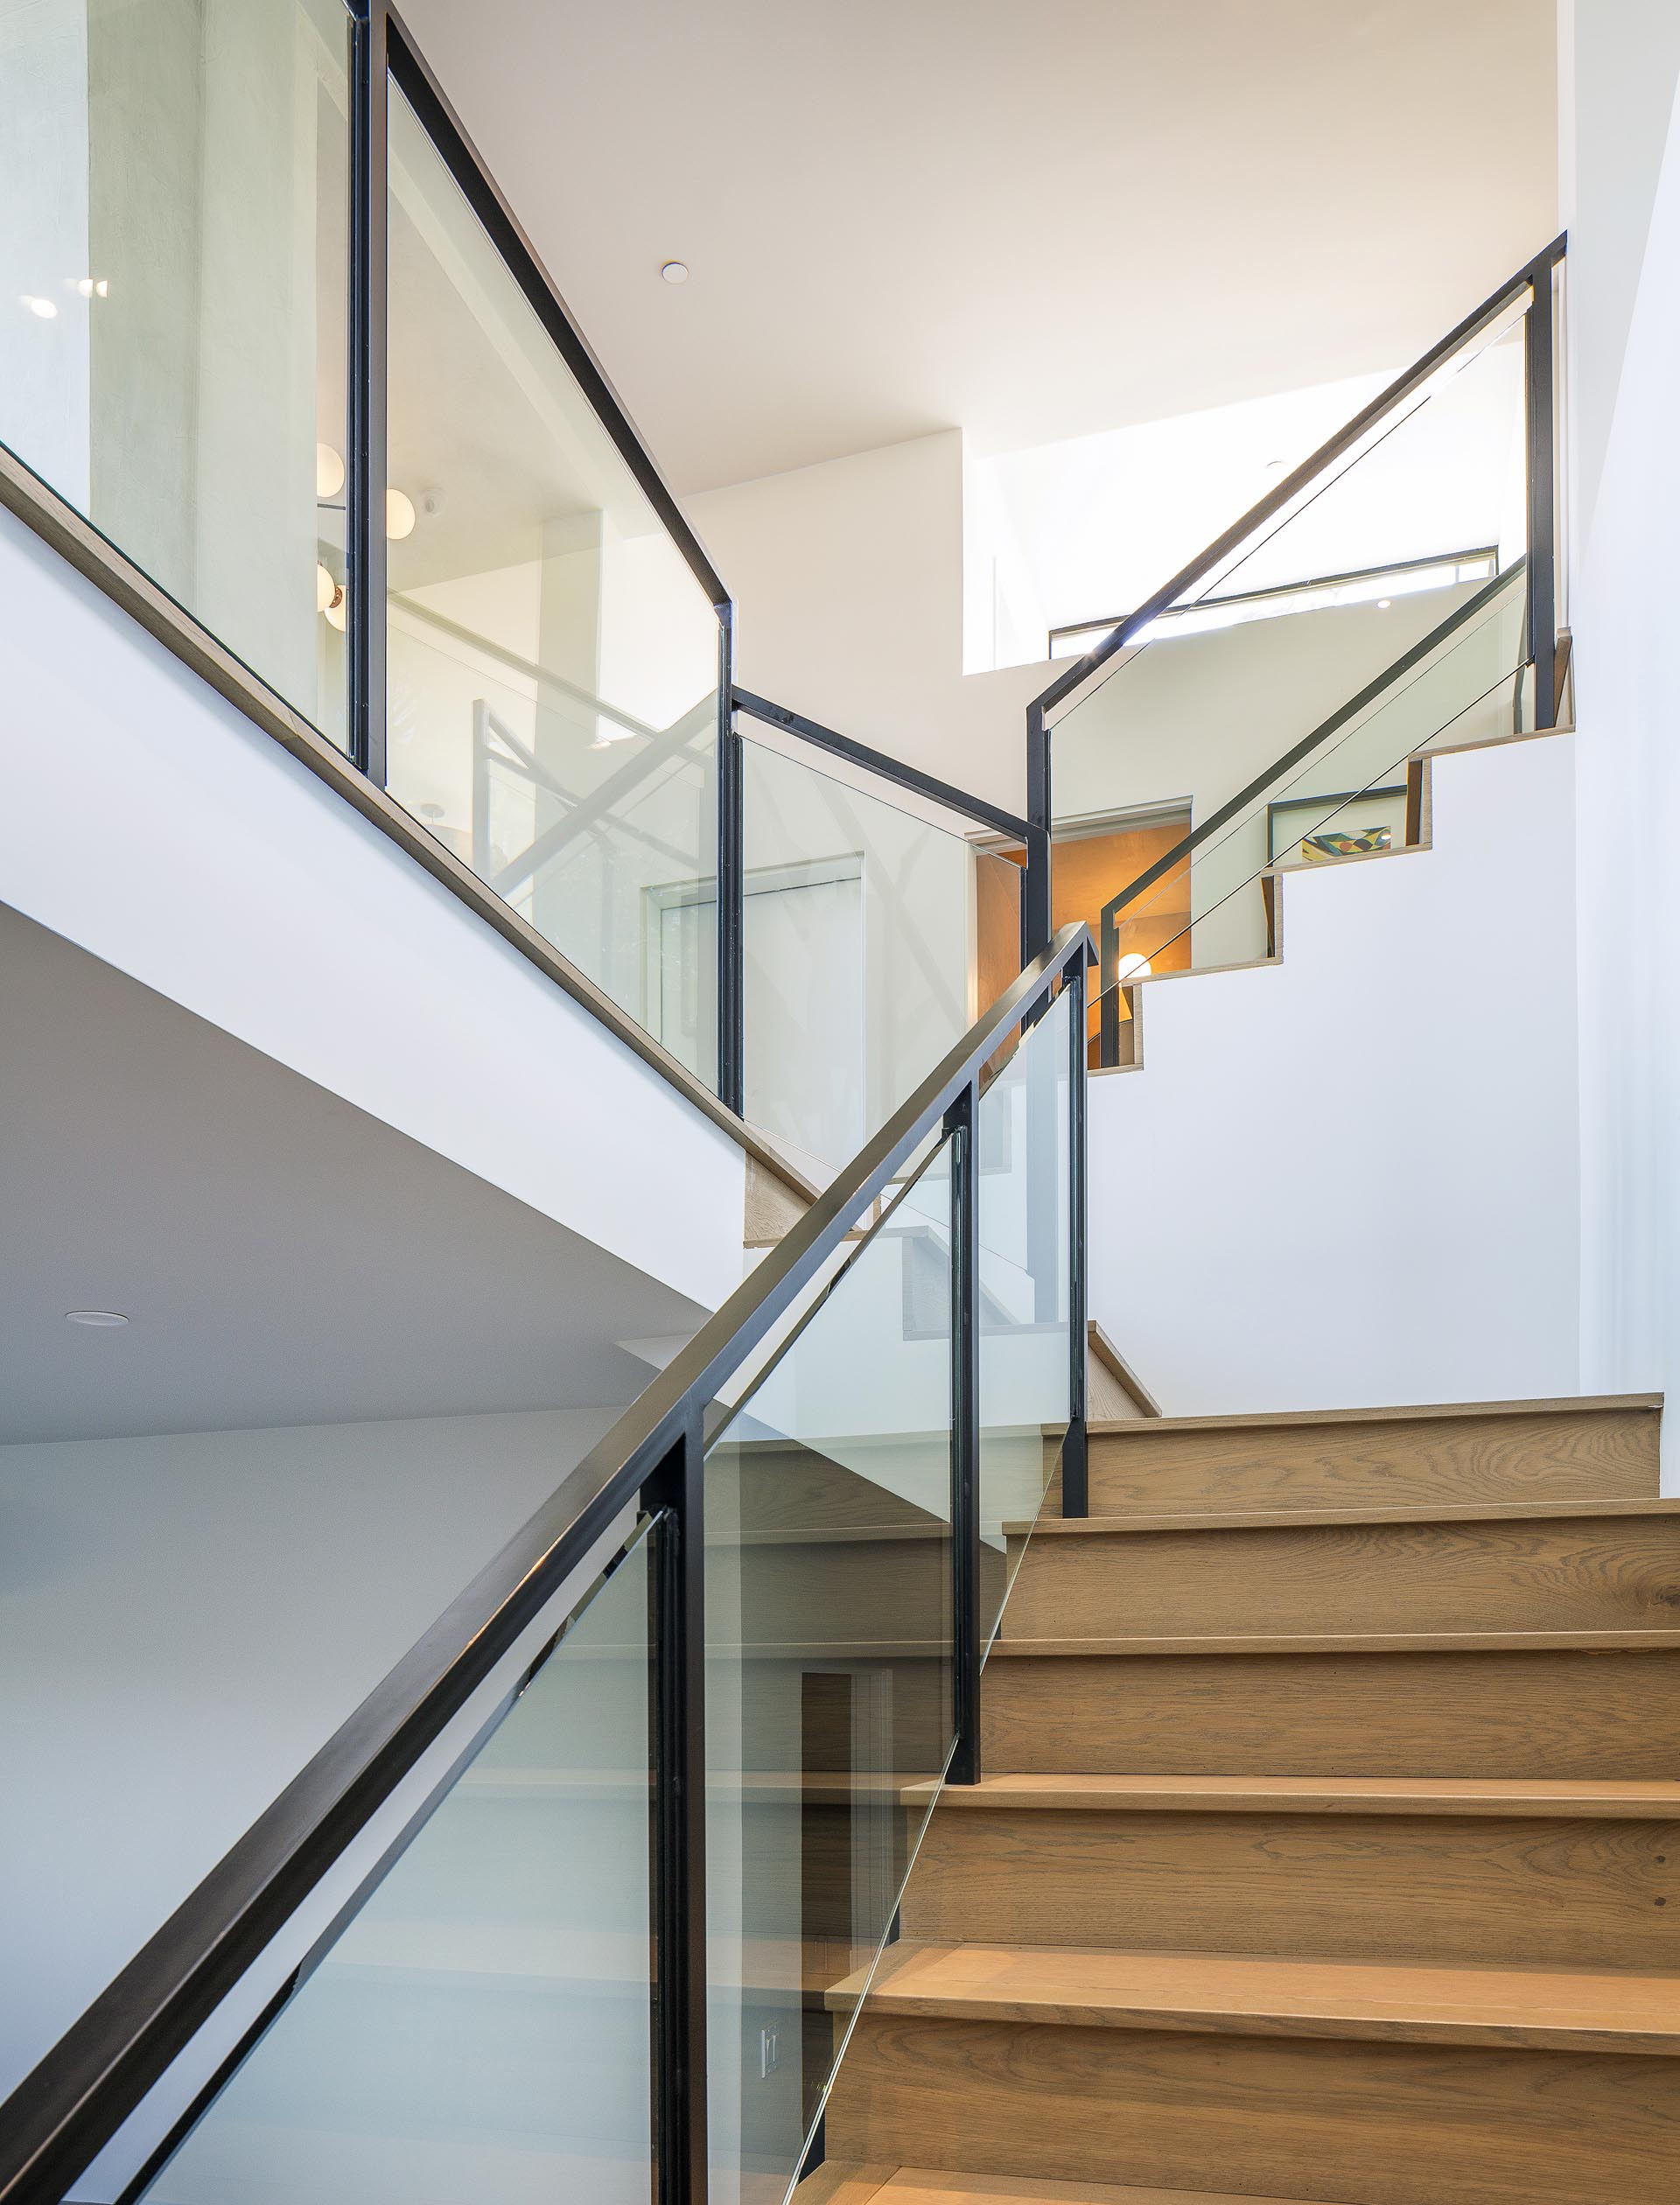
{"x": 1354, "y": 1165}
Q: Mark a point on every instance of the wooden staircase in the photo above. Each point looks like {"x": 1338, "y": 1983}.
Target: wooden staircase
{"x": 1329, "y": 1847}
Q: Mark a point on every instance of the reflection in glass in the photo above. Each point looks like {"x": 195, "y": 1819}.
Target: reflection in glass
{"x": 873, "y": 938}
{"x": 828, "y": 1679}
{"x": 481, "y": 2027}
{"x": 173, "y": 280}
{"x": 553, "y": 661}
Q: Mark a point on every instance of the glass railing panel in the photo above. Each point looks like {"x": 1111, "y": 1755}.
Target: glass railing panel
{"x": 480, "y": 2024}
{"x": 873, "y": 937}
{"x": 1024, "y": 1130}
{"x": 621, "y": 876}
{"x": 828, "y": 1695}
{"x": 553, "y": 661}
{"x": 1366, "y": 561}
{"x": 1349, "y": 796}
{"x": 172, "y": 263}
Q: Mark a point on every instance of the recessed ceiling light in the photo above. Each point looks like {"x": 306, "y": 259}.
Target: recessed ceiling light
{"x": 675, "y": 271}
{"x": 95, "y": 1317}
{"x": 43, "y": 309}
{"x": 1382, "y": 603}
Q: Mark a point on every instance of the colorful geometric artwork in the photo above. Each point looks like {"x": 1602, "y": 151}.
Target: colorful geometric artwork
{"x": 1316, "y": 849}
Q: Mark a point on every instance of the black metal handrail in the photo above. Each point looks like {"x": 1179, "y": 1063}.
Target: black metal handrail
{"x": 1539, "y": 396}
{"x": 75, "y": 2100}
{"x": 891, "y": 769}
{"x": 1034, "y": 840}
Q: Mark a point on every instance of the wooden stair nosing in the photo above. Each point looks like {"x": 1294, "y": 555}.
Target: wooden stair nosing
{"x": 1343, "y": 1643}
{"x": 1287, "y": 1420}
{"x": 1352, "y": 1519}
{"x": 856, "y": 2185}
{"x": 1538, "y": 2010}
{"x": 1515, "y": 1798}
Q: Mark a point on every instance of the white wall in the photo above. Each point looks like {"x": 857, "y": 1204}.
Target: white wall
{"x": 849, "y": 580}
{"x": 185, "y": 1618}
{"x": 151, "y": 823}
{"x": 1350, "y": 1179}
{"x": 1622, "y": 137}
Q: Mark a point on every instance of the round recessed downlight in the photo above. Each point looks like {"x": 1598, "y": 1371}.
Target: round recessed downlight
{"x": 1382, "y": 603}
{"x": 95, "y": 1317}
{"x": 675, "y": 271}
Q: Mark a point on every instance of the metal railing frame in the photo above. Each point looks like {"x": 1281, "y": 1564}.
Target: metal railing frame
{"x": 1537, "y": 276}
{"x": 78, "y": 2097}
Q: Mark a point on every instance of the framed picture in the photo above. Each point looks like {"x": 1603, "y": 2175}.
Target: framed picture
{"x": 1318, "y": 831}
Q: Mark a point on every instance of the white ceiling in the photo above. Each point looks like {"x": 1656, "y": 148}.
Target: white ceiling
{"x": 1027, "y": 221}
{"x": 284, "y": 1258}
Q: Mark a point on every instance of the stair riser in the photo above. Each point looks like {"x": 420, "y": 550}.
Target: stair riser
{"x": 1536, "y": 1892}
{"x": 1556, "y": 1714}
{"x": 854, "y": 1591}
{"x": 1369, "y": 2124}
{"x": 1579, "y": 1574}
{"x": 1604, "y": 1455}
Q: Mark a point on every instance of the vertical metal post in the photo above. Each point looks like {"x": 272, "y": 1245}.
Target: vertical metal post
{"x": 1075, "y": 1484}
{"x": 1108, "y": 990}
{"x": 1036, "y": 928}
{"x": 1539, "y": 403}
{"x": 679, "y": 1825}
{"x": 963, "y": 1124}
{"x": 732, "y": 880}
{"x": 365, "y": 460}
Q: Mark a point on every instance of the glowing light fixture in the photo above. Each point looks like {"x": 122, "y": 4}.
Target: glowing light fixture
{"x": 43, "y": 309}
{"x": 1131, "y": 968}
{"x": 94, "y": 287}
{"x": 399, "y": 515}
{"x": 329, "y": 471}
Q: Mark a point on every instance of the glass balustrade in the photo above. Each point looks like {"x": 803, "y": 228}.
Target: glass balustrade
{"x": 1267, "y": 718}
{"x": 1358, "y": 791}
{"x": 872, "y": 936}
{"x": 480, "y": 2023}
{"x": 173, "y": 273}
{"x": 553, "y": 662}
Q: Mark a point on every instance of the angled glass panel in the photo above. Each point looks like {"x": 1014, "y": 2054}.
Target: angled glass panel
{"x": 828, "y": 1691}
{"x": 553, "y": 662}
{"x": 173, "y": 267}
{"x": 1355, "y": 794}
{"x": 1023, "y": 1151}
{"x": 481, "y": 2023}
{"x": 1388, "y": 575}
{"x": 873, "y": 938}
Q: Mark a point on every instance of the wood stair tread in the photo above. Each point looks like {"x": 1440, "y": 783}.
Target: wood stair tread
{"x": 1344, "y": 1642}
{"x": 844, "y": 2185}
{"x": 1220, "y": 1994}
{"x": 1462, "y": 1795}
{"x": 1285, "y": 1419}
{"x": 1353, "y": 1519}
